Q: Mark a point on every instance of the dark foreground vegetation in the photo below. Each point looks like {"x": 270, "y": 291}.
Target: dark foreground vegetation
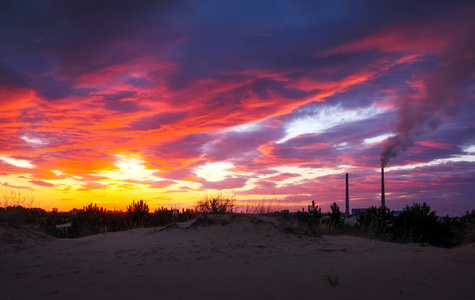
{"x": 92, "y": 219}
{"x": 418, "y": 224}
{"x": 415, "y": 224}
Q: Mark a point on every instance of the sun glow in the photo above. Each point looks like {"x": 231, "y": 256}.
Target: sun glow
{"x": 129, "y": 167}
{"x": 214, "y": 171}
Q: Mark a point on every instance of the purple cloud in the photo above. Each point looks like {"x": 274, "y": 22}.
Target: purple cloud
{"x": 157, "y": 121}
{"x": 227, "y": 183}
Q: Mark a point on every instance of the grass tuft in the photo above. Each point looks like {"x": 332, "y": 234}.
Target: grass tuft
{"x": 332, "y": 280}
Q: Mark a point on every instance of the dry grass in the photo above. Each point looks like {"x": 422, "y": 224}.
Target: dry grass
{"x": 16, "y": 197}
{"x": 470, "y": 237}
{"x": 332, "y": 280}
{"x": 216, "y": 204}
{"x": 259, "y": 207}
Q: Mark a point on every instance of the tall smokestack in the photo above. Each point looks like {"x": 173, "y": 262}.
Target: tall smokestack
{"x": 383, "y": 197}
{"x": 347, "y": 210}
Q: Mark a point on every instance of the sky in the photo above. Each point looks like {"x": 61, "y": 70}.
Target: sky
{"x": 269, "y": 101}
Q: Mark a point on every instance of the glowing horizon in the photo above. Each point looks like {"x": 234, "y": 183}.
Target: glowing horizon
{"x": 169, "y": 102}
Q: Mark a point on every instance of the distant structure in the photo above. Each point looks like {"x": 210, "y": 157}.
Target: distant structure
{"x": 64, "y": 228}
{"x": 383, "y": 197}
{"x": 347, "y": 209}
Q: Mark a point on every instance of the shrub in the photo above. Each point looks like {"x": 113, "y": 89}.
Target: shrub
{"x": 464, "y": 228}
{"x": 417, "y": 224}
{"x": 377, "y": 221}
{"x": 218, "y": 204}
{"x": 335, "y": 215}
{"x": 162, "y": 216}
{"x": 18, "y": 215}
{"x": 90, "y": 220}
{"x": 186, "y": 215}
{"x": 55, "y": 218}
{"x": 138, "y": 212}
{"x": 310, "y": 220}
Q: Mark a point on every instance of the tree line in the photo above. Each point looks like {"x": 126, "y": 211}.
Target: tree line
{"x": 415, "y": 224}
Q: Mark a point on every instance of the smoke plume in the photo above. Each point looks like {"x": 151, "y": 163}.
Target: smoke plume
{"x": 446, "y": 89}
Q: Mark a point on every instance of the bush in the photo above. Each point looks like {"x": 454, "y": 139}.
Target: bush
{"x": 138, "y": 212}
{"x": 186, "y": 215}
{"x": 377, "y": 221}
{"x": 218, "y": 204}
{"x": 161, "y": 217}
{"x": 464, "y": 228}
{"x": 335, "y": 215}
{"x": 418, "y": 224}
{"x": 88, "y": 221}
{"x": 55, "y": 218}
{"x": 18, "y": 215}
{"x": 310, "y": 220}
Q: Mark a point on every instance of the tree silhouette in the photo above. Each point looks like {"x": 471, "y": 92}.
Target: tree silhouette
{"x": 137, "y": 212}
{"x": 417, "y": 223}
{"x": 335, "y": 215}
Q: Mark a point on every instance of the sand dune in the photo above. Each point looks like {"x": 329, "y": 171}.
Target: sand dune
{"x": 227, "y": 257}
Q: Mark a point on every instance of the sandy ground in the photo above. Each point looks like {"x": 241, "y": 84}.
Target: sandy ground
{"x": 237, "y": 257}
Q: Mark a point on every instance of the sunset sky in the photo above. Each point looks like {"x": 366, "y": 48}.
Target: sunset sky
{"x": 169, "y": 101}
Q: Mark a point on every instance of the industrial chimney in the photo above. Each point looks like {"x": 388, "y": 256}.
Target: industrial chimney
{"x": 383, "y": 197}
{"x": 347, "y": 210}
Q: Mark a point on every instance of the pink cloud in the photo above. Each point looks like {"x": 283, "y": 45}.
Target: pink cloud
{"x": 227, "y": 183}
{"x": 42, "y": 183}
{"x": 162, "y": 184}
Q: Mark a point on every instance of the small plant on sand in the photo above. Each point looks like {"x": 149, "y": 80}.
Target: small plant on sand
{"x": 218, "y": 204}
{"x": 332, "y": 280}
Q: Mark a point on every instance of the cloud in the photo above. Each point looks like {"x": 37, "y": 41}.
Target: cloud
{"x": 444, "y": 93}
{"x": 225, "y": 184}
{"x": 377, "y": 139}
{"x": 92, "y": 185}
{"x": 115, "y": 102}
{"x": 240, "y": 146}
{"x": 178, "y": 174}
{"x": 49, "y": 87}
{"x": 157, "y": 121}
{"x": 325, "y": 117}
{"x": 11, "y": 79}
{"x": 42, "y": 183}
{"x": 17, "y": 162}
{"x": 162, "y": 183}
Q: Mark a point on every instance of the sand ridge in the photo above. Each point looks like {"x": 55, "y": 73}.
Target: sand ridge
{"x": 230, "y": 257}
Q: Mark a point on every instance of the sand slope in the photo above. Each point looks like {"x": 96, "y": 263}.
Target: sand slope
{"x": 228, "y": 257}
